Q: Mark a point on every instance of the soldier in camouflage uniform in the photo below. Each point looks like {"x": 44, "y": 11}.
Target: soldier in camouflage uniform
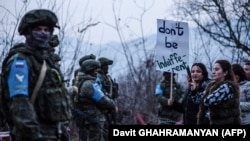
{"x": 168, "y": 114}
{"x": 35, "y": 111}
{"x": 109, "y": 88}
{"x": 72, "y": 90}
{"x": 78, "y": 73}
{"x": 91, "y": 101}
{"x": 53, "y": 43}
{"x": 56, "y": 58}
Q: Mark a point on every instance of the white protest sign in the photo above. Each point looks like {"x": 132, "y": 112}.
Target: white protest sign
{"x": 172, "y": 46}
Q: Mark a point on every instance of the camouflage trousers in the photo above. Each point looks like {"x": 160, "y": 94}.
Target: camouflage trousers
{"x": 91, "y": 132}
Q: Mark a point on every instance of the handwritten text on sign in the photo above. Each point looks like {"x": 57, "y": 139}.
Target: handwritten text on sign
{"x": 172, "y": 47}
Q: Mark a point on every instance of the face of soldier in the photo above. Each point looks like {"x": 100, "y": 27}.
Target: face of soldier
{"x": 94, "y": 73}
{"x": 40, "y": 36}
{"x": 105, "y": 69}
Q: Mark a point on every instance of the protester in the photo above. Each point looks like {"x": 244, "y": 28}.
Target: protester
{"x": 36, "y": 103}
{"x": 221, "y": 97}
{"x": 244, "y": 84}
{"x": 246, "y": 67}
{"x": 197, "y": 84}
{"x": 167, "y": 114}
{"x": 91, "y": 101}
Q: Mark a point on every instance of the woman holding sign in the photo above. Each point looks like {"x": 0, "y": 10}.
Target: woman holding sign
{"x": 221, "y": 97}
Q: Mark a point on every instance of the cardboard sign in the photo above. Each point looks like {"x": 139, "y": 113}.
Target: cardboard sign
{"x": 172, "y": 46}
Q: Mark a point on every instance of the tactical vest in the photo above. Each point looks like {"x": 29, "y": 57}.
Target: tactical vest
{"x": 53, "y": 100}
{"x": 79, "y": 100}
{"x": 109, "y": 87}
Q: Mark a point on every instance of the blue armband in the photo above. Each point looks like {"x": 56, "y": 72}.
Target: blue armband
{"x": 18, "y": 78}
{"x": 98, "y": 80}
{"x": 98, "y": 94}
{"x": 158, "y": 90}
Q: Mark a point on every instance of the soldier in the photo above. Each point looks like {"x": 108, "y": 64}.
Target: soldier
{"x": 56, "y": 58}
{"x": 109, "y": 88}
{"x": 35, "y": 101}
{"x": 91, "y": 101}
{"x": 78, "y": 76}
{"x": 53, "y": 43}
{"x": 167, "y": 113}
{"x": 78, "y": 71}
{"x": 72, "y": 90}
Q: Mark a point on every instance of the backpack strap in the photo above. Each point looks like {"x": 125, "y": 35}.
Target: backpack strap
{"x": 39, "y": 82}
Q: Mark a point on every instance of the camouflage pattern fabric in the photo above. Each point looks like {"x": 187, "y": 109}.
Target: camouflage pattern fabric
{"x": 89, "y": 65}
{"x": 105, "y": 61}
{"x": 92, "y": 108}
{"x": 54, "y": 41}
{"x": 78, "y": 71}
{"x": 86, "y": 57}
{"x": 52, "y": 105}
{"x": 167, "y": 114}
{"x": 37, "y": 17}
{"x": 109, "y": 88}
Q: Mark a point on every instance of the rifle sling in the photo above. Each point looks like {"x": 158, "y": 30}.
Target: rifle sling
{"x": 39, "y": 82}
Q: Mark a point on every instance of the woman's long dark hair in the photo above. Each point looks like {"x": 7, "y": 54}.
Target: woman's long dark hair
{"x": 204, "y": 70}
{"x": 238, "y": 70}
{"x": 226, "y": 66}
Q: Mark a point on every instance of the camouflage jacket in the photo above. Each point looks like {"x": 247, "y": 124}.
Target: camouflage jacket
{"x": 91, "y": 99}
{"x": 166, "y": 111}
{"x": 108, "y": 86}
{"x": 52, "y": 104}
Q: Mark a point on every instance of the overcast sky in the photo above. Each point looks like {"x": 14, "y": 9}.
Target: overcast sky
{"x": 101, "y": 11}
{"x": 79, "y": 13}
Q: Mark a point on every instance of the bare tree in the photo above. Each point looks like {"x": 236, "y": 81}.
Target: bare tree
{"x": 224, "y": 22}
{"x": 9, "y": 23}
{"x": 71, "y": 34}
{"x": 140, "y": 98}
{"x": 136, "y": 86}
